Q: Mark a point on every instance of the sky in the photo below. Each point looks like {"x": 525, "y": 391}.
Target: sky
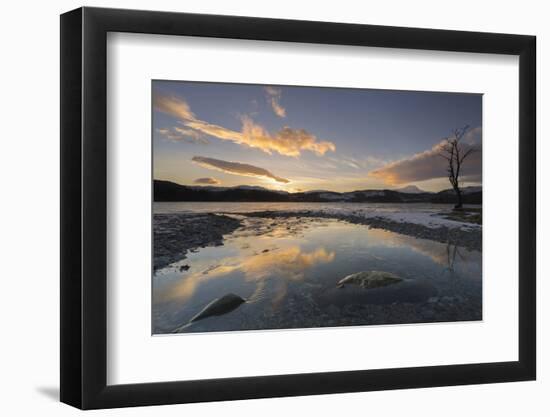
{"x": 309, "y": 138}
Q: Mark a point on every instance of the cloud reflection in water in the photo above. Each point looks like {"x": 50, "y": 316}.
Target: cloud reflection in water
{"x": 284, "y": 265}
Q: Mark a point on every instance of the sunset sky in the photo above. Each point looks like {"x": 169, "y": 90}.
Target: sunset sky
{"x": 308, "y": 138}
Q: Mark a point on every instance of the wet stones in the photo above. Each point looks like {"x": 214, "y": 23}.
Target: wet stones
{"x": 175, "y": 234}
{"x": 219, "y": 306}
{"x": 370, "y": 279}
{"x": 469, "y": 238}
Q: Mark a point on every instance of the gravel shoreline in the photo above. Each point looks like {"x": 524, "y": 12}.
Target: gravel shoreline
{"x": 469, "y": 238}
{"x": 175, "y": 234}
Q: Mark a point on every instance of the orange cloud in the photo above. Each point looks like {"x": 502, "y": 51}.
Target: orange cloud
{"x": 236, "y": 168}
{"x": 173, "y": 106}
{"x": 287, "y": 141}
{"x": 429, "y": 165}
{"x": 216, "y": 131}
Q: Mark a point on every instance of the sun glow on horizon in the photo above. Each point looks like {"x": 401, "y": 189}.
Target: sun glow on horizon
{"x": 300, "y": 139}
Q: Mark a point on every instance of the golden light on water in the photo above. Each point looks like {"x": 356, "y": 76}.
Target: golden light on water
{"x": 287, "y": 264}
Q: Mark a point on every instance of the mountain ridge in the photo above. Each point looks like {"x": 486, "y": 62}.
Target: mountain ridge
{"x": 171, "y": 191}
{"x": 410, "y": 189}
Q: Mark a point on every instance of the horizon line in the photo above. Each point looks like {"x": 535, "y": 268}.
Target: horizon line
{"x": 312, "y": 190}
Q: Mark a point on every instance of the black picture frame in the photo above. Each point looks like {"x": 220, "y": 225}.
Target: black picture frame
{"x": 84, "y": 207}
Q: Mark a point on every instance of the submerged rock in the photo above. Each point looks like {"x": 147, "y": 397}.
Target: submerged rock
{"x": 219, "y": 306}
{"x": 370, "y": 279}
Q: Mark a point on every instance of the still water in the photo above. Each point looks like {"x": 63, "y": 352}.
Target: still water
{"x": 287, "y": 271}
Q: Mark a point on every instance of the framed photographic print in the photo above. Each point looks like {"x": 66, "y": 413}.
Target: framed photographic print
{"x": 258, "y": 207}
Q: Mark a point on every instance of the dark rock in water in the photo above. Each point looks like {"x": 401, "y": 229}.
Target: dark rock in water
{"x": 219, "y": 306}
{"x": 407, "y": 291}
{"x": 265, "y": 250}
{"x": 184, "y": 268}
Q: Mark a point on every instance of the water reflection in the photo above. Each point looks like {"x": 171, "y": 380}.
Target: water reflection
{"x": 442, "y": 254}
{"x": 287, "y": 271}
{"x": 288, "y": 264}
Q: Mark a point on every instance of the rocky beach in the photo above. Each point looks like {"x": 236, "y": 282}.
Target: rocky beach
{"x": 278, "y": 252}
{"x": 176, "y": 234}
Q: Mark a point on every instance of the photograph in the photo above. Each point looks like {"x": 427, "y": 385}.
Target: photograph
{"x": 257, "y": 209}
{"x": 281, "y": 207}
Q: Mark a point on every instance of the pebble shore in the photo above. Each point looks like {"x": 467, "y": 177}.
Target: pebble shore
{"x": 175, "y": 234}
{"x": 469, "y": 238}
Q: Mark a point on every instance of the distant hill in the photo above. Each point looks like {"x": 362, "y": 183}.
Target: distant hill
{"x": 410, "y": 189}
{"x": 170, "y": 191}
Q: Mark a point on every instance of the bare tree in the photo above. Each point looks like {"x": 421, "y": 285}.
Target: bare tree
{"x": 455, "y": 154}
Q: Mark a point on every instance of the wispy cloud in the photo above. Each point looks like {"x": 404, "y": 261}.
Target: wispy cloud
{"x": 173, "y": 106}
{"x": 207, "y": 180}
{"x": 429, "y": 165}
{"x": 236, "y": 168}
{"x": 179, "y": 134}
{"x": 287, "y": 141}
{"x": 359, "y": 164}
{"x": 216, "y": 131}
{"x": 274, "y": 97}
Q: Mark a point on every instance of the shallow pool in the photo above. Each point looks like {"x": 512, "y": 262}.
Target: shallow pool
{"x": 287, "y": 271}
